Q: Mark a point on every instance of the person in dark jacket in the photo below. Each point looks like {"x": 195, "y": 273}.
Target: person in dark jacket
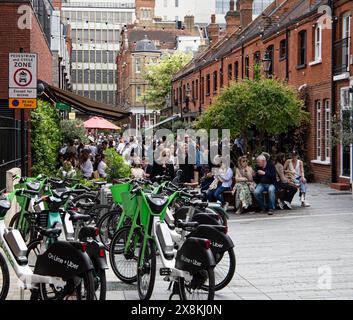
{"x": 265, "y": 178}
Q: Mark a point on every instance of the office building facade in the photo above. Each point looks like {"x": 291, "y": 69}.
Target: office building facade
{"x": 95, "y": 29}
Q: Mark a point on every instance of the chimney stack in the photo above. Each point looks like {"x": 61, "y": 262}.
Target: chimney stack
{"x": 189, "y": 22}
{"x": 213, "y": 30}
{"x": 245, "y": 10}
{"x": 232, "y": 18}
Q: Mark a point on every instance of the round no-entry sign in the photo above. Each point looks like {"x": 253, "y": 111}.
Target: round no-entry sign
{"x": 22, "y": 77}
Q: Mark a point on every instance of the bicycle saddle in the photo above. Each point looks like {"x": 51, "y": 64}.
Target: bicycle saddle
{"x": 50, "y": 233}
{"x": 59, "y": 192}
{"x": 156, "y": 203}
{"x": 33, "y": 186}
{"x": 76, "y": 217}
{"x": 4, "y": 206}
{"x": 84, "y": 205}
{"x": 100, "y": 183}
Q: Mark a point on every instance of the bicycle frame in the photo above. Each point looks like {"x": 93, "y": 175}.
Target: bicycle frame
{"x": 24, "y": 273}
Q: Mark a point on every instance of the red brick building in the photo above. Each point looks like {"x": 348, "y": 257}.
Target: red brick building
{"x": 308, "y": 43}
{"x": 22, "y": 28}
{"x": 142, "y": 43}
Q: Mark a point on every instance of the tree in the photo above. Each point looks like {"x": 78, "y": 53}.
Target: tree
{"x": 45, "y": 138}
{"x": 74, "y": 129}
{"x": 264, "y": 106}
{"x": 159, "y": 77}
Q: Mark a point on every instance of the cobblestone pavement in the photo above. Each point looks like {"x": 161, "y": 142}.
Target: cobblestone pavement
{"x": 306, "y": 253}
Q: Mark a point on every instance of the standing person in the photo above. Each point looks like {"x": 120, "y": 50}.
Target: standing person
{"x": 224, "y": 175}
{"x": 244, "y": 185}
{"x": 102, "y": 166}
{"x": 265, "y": 177}
{"x": 296, "y": 167}
{"x": 103, "y": 147}
{"x": 86, "y": 165}
{"x": 120, "y": 146}
{"x": 283, "y": 183}
{"x": 92, "y": 147}
{"x": 71, "y": 149}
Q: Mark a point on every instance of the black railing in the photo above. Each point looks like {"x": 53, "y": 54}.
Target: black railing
{"x": 10, "y": 143}
{"x": 341, "y": 56}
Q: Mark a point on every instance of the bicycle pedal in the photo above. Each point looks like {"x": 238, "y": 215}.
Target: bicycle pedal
{"x": 165, "y": 271}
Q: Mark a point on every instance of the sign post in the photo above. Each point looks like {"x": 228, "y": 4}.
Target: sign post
{"x": 23, "y": 91}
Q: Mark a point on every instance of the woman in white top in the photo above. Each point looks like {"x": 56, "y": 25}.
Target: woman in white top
{"x": 224, "y": 178}
{"x": 102, "y": 166}
{"x": 295, "y": 167}
{"x": 86, "y": 165}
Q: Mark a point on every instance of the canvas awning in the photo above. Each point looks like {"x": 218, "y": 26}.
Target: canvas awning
{"x": 85, "y": 105}
{"x": 175, "y": 117}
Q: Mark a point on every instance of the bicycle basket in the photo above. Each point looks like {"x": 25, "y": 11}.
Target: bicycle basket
{"x": 117, "y": 190}
{"x": 129, "y": 203}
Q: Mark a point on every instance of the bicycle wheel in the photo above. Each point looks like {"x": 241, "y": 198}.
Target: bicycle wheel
{"x": 201, "y": 286}
{"x": 100, "y": 285}
{"x": 97, "y": 212}
{"x": 107, "y": 226}
{"x": 33, "y": 250}
{"x": 4, "y": 278}
{"x": 224, "y": 269}
{"x": 80, "y": 288}
{"x": 124, "y": 265}
{"x": 146, "y": 274}
{"x": 25, "y": 232}
{"x": 223, "y": 219}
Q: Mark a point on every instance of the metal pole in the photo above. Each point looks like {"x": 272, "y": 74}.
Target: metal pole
{"x": 23, "y": 140}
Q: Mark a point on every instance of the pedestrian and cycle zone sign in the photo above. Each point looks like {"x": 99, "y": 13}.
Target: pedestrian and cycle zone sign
{"x": 22, "y": 80}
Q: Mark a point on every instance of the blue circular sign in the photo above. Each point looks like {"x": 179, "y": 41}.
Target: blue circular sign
{"x": 15, "y": 103}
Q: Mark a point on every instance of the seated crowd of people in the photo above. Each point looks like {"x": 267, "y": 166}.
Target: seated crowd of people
{"x": 271, "y": 184}
{"x": 279, "y": 180}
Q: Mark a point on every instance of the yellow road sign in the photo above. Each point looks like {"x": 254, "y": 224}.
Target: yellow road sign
{"x": 22, "y": 103}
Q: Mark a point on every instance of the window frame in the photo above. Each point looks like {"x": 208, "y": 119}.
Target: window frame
{"x": 327, "y": 110}
{"x": 283, "y": 46}
{"x": 318, "y": 137}
{"x": 302, "y": 49}
{"x": 318, "y": 43}
{"x": 215, "y": 81}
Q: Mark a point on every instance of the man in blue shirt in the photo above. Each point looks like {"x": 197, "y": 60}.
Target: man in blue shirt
{"x": 265, "y": 178}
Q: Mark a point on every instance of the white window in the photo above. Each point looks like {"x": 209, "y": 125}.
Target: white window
{"x": 346, "y": 21}
{"x": 345, "y": 126}
{"x": 165, "y": 3}
{"x": 327, "y": 130}
{"x": 318, "y": 130}
{"x": 346, "y": 33}
{"x": 138, "y": 92}
{"x": 318, "y": 42}
{"x": 138, "y": 65}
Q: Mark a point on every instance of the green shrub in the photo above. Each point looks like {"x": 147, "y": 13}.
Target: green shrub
{"x": 116, "y": 166}
{"x": 45, "y": 138}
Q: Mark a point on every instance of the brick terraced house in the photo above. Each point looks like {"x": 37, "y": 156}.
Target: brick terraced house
{"x": 309, "y": 45}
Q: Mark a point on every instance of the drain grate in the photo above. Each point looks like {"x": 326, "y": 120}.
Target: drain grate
{"x": 119, "y": 286}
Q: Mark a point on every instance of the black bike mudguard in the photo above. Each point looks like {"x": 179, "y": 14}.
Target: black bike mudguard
{"x": 206, "y": 218}
{"x": 220, "y": 242}
{"x": 63, "y": 260}
{"x": 95, "y": 251}
{"x": 193, "y": 256}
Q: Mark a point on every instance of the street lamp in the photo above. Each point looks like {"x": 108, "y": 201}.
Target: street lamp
{"x": 267, "y": 62}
